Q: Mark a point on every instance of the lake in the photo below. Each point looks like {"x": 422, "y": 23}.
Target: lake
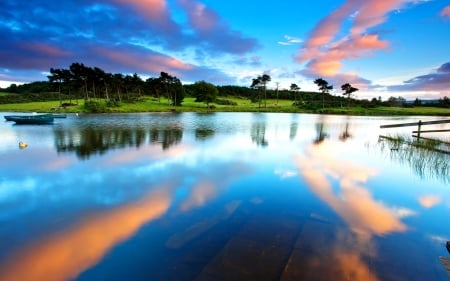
{"x": 221, "y": 196}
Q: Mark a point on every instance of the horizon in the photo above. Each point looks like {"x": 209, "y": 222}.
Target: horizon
{"x": 377, "y": 47}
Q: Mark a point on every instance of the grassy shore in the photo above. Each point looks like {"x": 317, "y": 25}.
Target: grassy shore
{"x": 243, "y": 105}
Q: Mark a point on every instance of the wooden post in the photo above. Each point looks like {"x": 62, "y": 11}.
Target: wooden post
{"x": 419, "y": 125}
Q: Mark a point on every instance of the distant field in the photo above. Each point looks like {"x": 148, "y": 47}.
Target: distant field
{"x": 243, "y": 105}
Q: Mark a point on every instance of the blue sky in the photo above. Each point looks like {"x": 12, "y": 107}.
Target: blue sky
{"x": 383, "y": 47}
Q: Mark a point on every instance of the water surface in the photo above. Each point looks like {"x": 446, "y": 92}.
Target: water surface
{"x": 224, "y": 196}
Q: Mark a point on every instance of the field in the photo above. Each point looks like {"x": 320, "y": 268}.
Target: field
{"x": 243, "y": 105}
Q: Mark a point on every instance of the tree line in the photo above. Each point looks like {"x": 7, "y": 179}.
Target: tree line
{"x": 93, "y": 85}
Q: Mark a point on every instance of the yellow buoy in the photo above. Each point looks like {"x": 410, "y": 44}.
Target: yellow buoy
{"x": 22, "y": 145}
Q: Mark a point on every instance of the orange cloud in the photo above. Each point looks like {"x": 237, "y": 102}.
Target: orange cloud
{"x": 329, "y": 63}
{"x": 63, "y": 256}
{"x": 355, "y": 204}
{"x": 445, "y": 12}
{"x": 325, "y": 52}
{"x": 200, "y": 194}
{"x": 429, "y": 201}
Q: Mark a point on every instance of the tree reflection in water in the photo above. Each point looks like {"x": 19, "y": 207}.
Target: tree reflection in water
{"x": 429, "y": 159}
{"x": 90, "y": 141}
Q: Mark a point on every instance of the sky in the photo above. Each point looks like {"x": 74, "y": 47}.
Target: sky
{"x": 382, "y": 47}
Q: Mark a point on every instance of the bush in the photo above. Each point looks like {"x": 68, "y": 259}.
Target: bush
{"x": 95, "y": 107}
{"x": 225, "y": 102}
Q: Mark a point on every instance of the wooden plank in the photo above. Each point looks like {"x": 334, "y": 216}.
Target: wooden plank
{"x": 415, "y": 124}
{"x": 259, "y": 251}
{"x": 431, "y": 131}
{"x": 312, "y": 258}
{"x": 446, "y": 263}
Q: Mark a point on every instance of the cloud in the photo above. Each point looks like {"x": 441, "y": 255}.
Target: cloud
{"x": 429, "y": 201}
{"x": 284, "y": 174}
{"x": 354, "y": 203}
{"x": 212, "y": 32}
{"x": 52, "y": 36}
{"x": 64, "y": 255}
{"x": 289, "y": 40}
{"x": 155, "y": 12}
{"x": 251, "y": 61}
{"x": 445, "y": 12}
{"x": 438, "y": 80}
{"x": 324, "y": 53}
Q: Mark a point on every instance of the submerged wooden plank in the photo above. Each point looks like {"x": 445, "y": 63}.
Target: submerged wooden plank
{"x": 446, "y": 263}
{"x": 258, "y": 252}
{"x": 311, "y": 259}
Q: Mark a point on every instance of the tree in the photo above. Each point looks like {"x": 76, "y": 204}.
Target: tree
{"x": 177, "y": 91}
{"x": 265, "y": 78}
{"x": 56, "y": 76}
{"x": 165, "y": 79}
{"x": 81, "y": 76}
{"x": 256, "y": 84}
{"x": 324, "y": 88}
{"x": 294, "y": 88}
{"x": 417, "y": 102}
{"x": 205, "y": 92}
{"x": 348, "y": 90}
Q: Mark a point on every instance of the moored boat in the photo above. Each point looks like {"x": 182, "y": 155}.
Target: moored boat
{"x": 31, "y": 119}
{"x": 59, "y": 115}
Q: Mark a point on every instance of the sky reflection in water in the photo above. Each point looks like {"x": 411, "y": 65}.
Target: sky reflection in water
{"x": 95, "y": 196}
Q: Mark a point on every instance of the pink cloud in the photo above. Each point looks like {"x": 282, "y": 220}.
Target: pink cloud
{"x": 325, "y": 52}
{"x": 373, "y": 13}
{"x": 155, "y": 11}
{"x": 429, "y": 201}
{"x": 45, "y": 49}
{"x": 445, "y": 12}
{"x": 329, "y": 63}
{"x": 200, "y": 17}
{"x": 151, "y": 62}
{"x": 353, "y": 202}
{"x": 210, "y": 30}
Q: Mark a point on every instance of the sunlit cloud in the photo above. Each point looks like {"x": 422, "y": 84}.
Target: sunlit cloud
{"x": 445, "y": 12}
{"x": 429, "y": 201}
{"x": 154, "y": 25}
{"x": 199, "y": 195}
{"x": 325, "y": 52}
{"x": 355, "y": 204}
{"x": 341, "y": 257}
{"x": 155, "y": 11}
{"x": 63, "y": 256}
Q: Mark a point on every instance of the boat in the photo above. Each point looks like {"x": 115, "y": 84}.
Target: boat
{"x": 31, "y": 119}
{"x": 59, "y": 115}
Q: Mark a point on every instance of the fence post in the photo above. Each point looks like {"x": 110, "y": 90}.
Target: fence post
{"x": 419, "y": 125}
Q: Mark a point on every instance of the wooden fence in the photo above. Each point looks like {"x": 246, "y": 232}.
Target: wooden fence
{"x": 419, "y": 125}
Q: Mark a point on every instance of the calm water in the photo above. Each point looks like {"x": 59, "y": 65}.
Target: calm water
{"x": 227, "y": 196}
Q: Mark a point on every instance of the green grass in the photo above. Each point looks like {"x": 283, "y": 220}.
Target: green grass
{"x": 150, "y": 104}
